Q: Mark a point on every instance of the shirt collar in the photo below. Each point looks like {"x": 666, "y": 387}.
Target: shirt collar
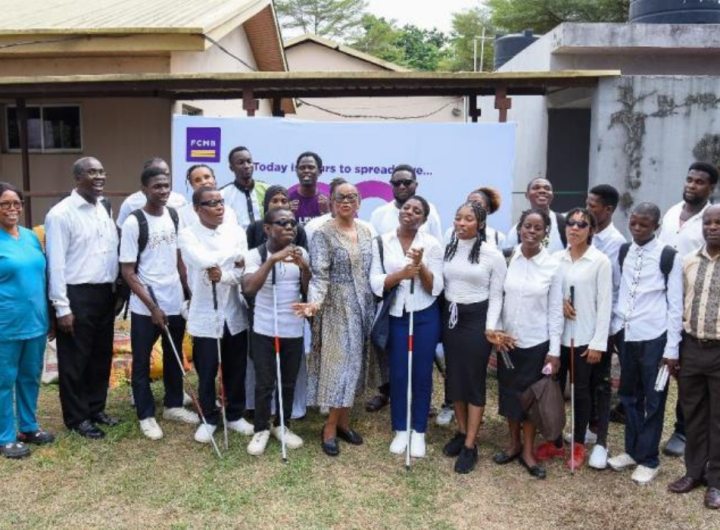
{"x": 588, "y": 255}
{"x": 78, "y": 201}
{"x": 246, "y": 191}
{"x": 703, "y": 253}
{"x": 605, "y": 232}
{"x": 649, "y": 246}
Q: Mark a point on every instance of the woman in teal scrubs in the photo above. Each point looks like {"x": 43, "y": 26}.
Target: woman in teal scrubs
{"x": 23, "y": 328}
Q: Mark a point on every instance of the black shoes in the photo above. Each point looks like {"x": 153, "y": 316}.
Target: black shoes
{"x": 536, "y": 471}
{"x": 38, "y": 437}
{"x": 331, "y": 447}
{"x": 377, "y": 402}
{"x": 503, "y": 458}
{"x": 104, "y": 419}
{"x": 455, "y": 445}
{"x": 349, "y": 436}
{"x": 88, "y": 429}
{"x": 465, "y": 463}
{"x": 14, "y": 450}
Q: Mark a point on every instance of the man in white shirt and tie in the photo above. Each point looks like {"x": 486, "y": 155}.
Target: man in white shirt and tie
{"x": 648, "y": 321}
{"x": 682, "y": 229}
{"x": 82, "y": 252}
{"x": 540, "y": 195}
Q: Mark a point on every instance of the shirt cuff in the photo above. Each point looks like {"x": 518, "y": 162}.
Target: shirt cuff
{"x": 671, "y": 354}
{"x": 598, "y": 346}
{"x": 554, "y": 347}
{"x": 62, "y": 310}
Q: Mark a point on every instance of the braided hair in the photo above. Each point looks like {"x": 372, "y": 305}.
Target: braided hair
{"x": 480, "y": 216}
{"x": 545, "y": 218}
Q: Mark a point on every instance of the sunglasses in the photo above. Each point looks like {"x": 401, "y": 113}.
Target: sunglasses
{"x": 350, "y": 197}
{"x": 292, "y": 223}
{"x": 582, "y": 225}
{"x": 213, "y": 203}
{"x": 407, "y": 183}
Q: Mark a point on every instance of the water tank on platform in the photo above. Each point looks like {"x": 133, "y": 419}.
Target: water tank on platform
{"x": 508, "y": 46}
{"x": 675, "y": 11}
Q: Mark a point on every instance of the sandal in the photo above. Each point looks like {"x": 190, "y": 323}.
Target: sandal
{"x": 14, "y": 450}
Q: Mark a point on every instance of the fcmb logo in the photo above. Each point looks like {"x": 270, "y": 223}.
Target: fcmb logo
{"x": 203, "y": 144}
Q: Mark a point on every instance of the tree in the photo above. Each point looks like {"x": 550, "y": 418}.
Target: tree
{"x": 335, "y": 19}
{"x": 467, "y": 28}
{"x": 543, "y": 15}
{"x": 378, "y": 37}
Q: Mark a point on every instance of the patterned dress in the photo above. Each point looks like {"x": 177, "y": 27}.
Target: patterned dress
{"x": 337, "y": 366}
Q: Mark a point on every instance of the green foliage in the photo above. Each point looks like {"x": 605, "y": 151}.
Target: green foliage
{"x": 328, "y": 18}
{"x": 543, "y": 15}
{"x": 466, "y": 27}
{"x": 378, "y": 37}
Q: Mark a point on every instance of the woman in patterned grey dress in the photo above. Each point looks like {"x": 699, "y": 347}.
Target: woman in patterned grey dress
{"x": 341, "y": 299}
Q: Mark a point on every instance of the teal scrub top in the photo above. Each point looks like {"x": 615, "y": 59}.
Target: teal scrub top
{"x": 23, "y": 301}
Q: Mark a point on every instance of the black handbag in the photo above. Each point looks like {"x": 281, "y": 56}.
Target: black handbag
{"x": 381, "y": 325}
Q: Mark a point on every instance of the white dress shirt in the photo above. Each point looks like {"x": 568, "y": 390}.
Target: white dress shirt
{"x": 238, "y": 201}
{"x": 395, "y": 259}
{"x": 494, "y": 237}
{"x": 385, "y": 218}
{"x": 555, "y": 243}
{"x": 82, "y": 247}
{"x": 644, "y": 309}
{"x": 591, "y": 275}
{"x": 201, "y": 249}
{"x": 533, "y": 307}
{"x": 137, "y": 200}
{"x": 608, "y": 241}
{"x": 686, "y": 238}
{"x": 188, "y": 216}
{"x": 316, "y": 222}
{"x": 470, "y": 283}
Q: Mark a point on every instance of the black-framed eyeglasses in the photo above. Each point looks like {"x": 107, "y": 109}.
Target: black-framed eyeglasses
{"x": 582, "y": 225}
{"x": 350, "y": 197}
{"x": 6, "y": 205}
{"x": 213, "y": 203}
{"x": 292, "y": 223}
{"x": 405, "y": 182}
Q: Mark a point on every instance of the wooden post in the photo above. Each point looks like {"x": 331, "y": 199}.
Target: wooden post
{"x": 474, "y": 111}
{"x": 502, "y": 103}
{"x": 250, "y": 105}
{"x": 22, "y": 115}
{"x": 277, "y": 110}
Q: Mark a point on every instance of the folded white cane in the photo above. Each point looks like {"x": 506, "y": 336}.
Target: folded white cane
{"x": 281, "y": 412}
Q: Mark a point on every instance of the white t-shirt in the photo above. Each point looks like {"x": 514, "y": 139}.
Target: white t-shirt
{"x": 158, "y": 262}
{"x": 287, "y": 285}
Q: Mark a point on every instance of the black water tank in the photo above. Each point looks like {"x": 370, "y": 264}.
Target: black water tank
{"x": 675, "y": 11}
{"x": 508, "y": 46}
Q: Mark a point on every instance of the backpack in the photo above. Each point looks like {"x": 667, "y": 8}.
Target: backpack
{"x": 667, "y": 259}
{"x": 560, "y": 219}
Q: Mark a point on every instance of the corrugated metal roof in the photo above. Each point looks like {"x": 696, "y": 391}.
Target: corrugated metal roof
{"x": 119, "y": 16}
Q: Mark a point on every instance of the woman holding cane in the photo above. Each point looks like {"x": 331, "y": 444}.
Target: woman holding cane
{"x": 474, "y": 273}
{"x": 533, "y": 324}
{"x": 409, "y": 254}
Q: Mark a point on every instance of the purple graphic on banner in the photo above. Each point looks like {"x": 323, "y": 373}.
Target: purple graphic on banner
{"x": 369, "y": 189}
{"x": 203, "y": 144}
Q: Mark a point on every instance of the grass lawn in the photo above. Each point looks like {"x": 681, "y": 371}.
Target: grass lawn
{"x": 130, "y": 482}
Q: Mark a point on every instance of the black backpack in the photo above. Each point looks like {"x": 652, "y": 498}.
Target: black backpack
{"x": 667, "y": 259}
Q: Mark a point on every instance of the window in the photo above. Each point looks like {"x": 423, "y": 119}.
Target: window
{"x": 51, "y": 128}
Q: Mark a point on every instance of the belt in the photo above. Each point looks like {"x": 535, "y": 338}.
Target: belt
{"x": 703, "y": 343}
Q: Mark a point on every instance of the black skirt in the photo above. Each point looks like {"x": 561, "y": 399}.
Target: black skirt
{"x": 528, "y": 363}
{"x": 467, "y": 351}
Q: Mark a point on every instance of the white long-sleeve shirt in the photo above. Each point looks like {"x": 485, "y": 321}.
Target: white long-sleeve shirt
{"x": 608, "y": 241}
{"x": 591, "y": 276}
{"x": 385, "y": 218}
{"x": 137, "y": 200}
{"x": 645, "y": 309}
{"x": 82, "y": 247}
{"x": 686, "y": 238}
{"x": 394, "y": 259}
{"x": 201, "y": 249}
{"x": 555, "y": 243}
{"x": 533, "y": 307}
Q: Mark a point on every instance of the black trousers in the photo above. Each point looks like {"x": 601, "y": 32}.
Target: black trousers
{"x": 699, "y": 384}
{"x": 600, "y": 394}
{"x": 143, "y": 335}
{"x": 234, "y": 364}
{"x": 583, "y": 371}
{"x": 85, "y": 358}
{"x": 263, "y": 355}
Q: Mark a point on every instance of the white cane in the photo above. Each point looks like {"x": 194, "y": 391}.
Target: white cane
{"x": 409, "y": 375}
{"x": 281, "y": 412}
{"x": 221, "y": 330}
{"x": 572, "y": 384}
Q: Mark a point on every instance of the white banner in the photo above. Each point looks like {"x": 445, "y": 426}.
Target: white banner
{"x": 451, "y": 159}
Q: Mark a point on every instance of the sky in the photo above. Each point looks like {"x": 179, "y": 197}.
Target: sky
{"x": 426, "y": 14}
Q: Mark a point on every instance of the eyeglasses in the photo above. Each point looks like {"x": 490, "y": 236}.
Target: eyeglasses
{"x": 95, "y": 172}
{"x": 213, "y": 203}
{"x": 6, "y": 205}
{"x": 582, "y": 225}
{"x": 350, "y": 197}
{"x": 407, "y": 183}
{"x": 292, "y": 223}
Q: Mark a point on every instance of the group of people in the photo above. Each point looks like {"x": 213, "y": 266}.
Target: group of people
{"x": 273, "y": 285}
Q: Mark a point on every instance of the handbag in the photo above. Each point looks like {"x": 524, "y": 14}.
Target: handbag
{"x": 381, "y": 325}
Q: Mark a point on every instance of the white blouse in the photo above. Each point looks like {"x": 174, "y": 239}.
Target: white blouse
{"x": 395, "y": 259}
{"x": 470, "y": 283}
{"x": 533, "y": 308}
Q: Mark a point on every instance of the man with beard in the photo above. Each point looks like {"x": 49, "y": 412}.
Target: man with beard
{"x": 305, "y": 201}
{"x": 244, "y": 194}
{"x": 540, "y": 195}
{"x": 682, "y": 229}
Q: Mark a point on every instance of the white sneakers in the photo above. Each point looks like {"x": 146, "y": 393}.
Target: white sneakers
{"x": 590, "y": 437}
{"x": 620, "y": 462}
{"x": 204, "y": 433}
{"x": 292, "y": 440}
{"x": 242, "y": 426}
{"x": 259, "y": 441}
{"x": 445, "y": 416}
{"x": 399, "y": 443}
{"x": 642, "y": 476}
{"x": 598, "y": 458}
{"x": 417, "y": 444}
{"x": 151, "y": 429}
{"x": 182, "y": 415}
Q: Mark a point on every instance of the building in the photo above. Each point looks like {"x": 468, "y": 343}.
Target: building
{"x": 638, "y": 132}
{"x": 49, "y": 38}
